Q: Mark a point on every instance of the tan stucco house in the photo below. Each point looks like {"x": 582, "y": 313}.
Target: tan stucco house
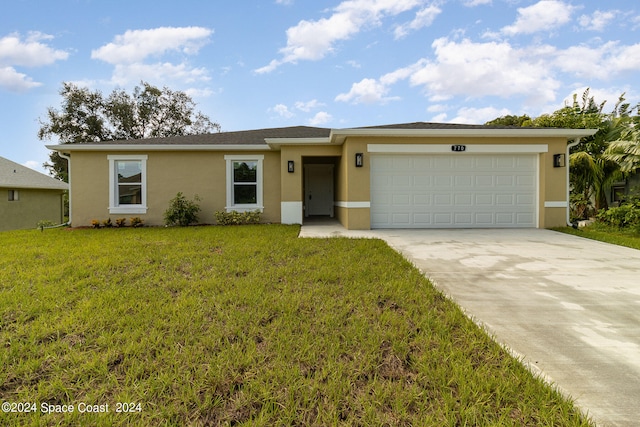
{"x": 27, "y": 197}
{"x": 414, "y": 175}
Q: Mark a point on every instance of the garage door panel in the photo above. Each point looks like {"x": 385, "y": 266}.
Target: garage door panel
{"x": 422, "y": 200}
{"x": 505, "y": 180}
{"x": 485, "y": 219}
{"x": 463, "y": 199}
{"x": 485, "y": 200}
{"x": 485, "y": 181}
{"x": 443, "y": 181}
{"x": 422, "y": 219}
{"x": 442, "y": 200}
{"x": 464, "y": 181}
{"x": 402, "y": 219}
{"x": 453, "y": 191}
{"x": 401, "y": 200}
{"x": 525, "y": 200}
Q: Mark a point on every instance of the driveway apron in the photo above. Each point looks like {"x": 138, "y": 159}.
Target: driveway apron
{"x": 568, "y": 306}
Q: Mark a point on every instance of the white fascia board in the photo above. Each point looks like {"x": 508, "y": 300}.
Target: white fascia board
{"x": 446, "y": 149}
{"x": 340, "y": 134}
{"x": 276, "y": 143}
{"x": 157, "y": 147}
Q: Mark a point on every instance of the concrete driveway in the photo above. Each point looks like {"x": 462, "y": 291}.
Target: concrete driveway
{"x": 570, "y": 307}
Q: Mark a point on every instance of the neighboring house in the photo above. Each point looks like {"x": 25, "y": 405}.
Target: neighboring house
{"x": 414, "y": 175}
{"x": 27, "y": 197}
{"x": 621, "y": 190}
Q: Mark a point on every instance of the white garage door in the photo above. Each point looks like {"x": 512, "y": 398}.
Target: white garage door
{"x": 453, "y": 191}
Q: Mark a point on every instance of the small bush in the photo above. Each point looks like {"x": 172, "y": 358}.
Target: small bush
{"x": 182, "y": 211}
{"x": 237, "y": 218}
{"x": 107, "y": 223}
{"x": 95, "y": 223}
{"x": 136, "y": 221}
{"x": 627, "y": 215}
{"x": 121, "y": 222}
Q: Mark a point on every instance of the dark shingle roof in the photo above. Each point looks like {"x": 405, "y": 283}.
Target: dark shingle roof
{"x": 14, "y": 175}
{"x": 245, "y": 137}
{"x": 430, "y": 125}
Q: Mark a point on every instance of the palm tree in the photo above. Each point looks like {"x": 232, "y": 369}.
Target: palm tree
{"x": 625, "y": 150}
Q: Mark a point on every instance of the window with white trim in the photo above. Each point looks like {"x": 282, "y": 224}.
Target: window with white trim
{"x": 14, "y": 196}
{"x": 244, "y": 182}
{"x": 127, "y": 184}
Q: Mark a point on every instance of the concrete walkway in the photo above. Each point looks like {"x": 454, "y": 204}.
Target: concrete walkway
{"x": 570, "y": 307}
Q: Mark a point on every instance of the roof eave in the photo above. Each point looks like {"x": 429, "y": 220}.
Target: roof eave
{"x": 276, "y": 143}
{"x": 339, "y": 135}
{"x": 33, "y": 187}
{"x": 158, "y": 147}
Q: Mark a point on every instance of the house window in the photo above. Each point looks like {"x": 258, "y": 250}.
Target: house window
{"x": 127, "y": 184}
{"x": 14, "y": 196}
{"x": 618, "y": 192}
{"x": 244, "y": 182}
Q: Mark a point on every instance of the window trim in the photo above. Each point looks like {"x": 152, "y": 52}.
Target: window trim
{"x": 114, "y": 205}
{"x": 230, "y": 159}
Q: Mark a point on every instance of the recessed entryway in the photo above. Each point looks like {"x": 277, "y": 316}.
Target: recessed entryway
{"x": 319, "y": 190}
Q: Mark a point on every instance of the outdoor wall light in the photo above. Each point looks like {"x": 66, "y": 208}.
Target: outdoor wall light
{"x": 559, "y": 161}
{"x": 359, "y": 160}
{"x": 290, "y": 166}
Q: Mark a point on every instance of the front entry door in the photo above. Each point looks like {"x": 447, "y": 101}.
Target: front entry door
{"x": 318, "y": 190}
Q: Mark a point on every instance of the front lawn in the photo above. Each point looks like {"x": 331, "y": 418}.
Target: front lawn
{"x": 603, "y": 233}
{"x": 244, "y": 326}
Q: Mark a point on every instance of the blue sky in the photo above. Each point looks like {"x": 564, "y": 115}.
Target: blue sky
{"x": 253, "y": 64}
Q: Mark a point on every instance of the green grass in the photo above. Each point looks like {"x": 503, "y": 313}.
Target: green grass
{"x": 616, "y": 236}
{"x": 246, "y": 326}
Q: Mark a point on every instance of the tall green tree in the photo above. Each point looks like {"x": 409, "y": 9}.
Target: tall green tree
{"x": 592, "y": 171}
{"x": 86, "y": 115}
{"x": 509, "y": 120}
{"x": 624, "y": 147}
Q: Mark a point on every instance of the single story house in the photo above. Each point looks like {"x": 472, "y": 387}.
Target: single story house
{"x": 413, "y": 175}
{"x": 27, "y": 197}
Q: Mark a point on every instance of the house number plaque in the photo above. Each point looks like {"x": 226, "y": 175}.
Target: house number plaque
{"x": 458, "y": 148}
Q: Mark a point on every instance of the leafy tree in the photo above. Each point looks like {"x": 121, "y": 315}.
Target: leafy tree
{"x": 149, "y": 112}
{"x": 509, "y": 120}
{"x": 592, "y": 167}
{"x": 624, "y": 148}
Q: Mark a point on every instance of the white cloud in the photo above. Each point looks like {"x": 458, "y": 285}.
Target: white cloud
{"x": 437, "y": 108}
{"x": 598, "y": 21}
{"x": 28, "y": 52}
{"x": 471, "y": 70}
{"x": 162, "y": 72}
{"x": 424, "y": 18}
{"x": 313, "y": 40}
{"x": 472, "y": 3}
{"x": 478, "y": 115}
{"x": 618, "y": 59}
{"x": 542, "y": 16}
{"x": 32, "y": 164}
{"x": 14, "y": 81}
{"x": 309, "y": 105}
{"x": 320, "y": 118}
{"x": 282, "y": 110}
{"x": 129, "y": 51}
{"x": 31, "y": 51}
{"x": 485, "y": 69}
{"x": 136, "y": 45}
{"x": 366, "y": 91}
